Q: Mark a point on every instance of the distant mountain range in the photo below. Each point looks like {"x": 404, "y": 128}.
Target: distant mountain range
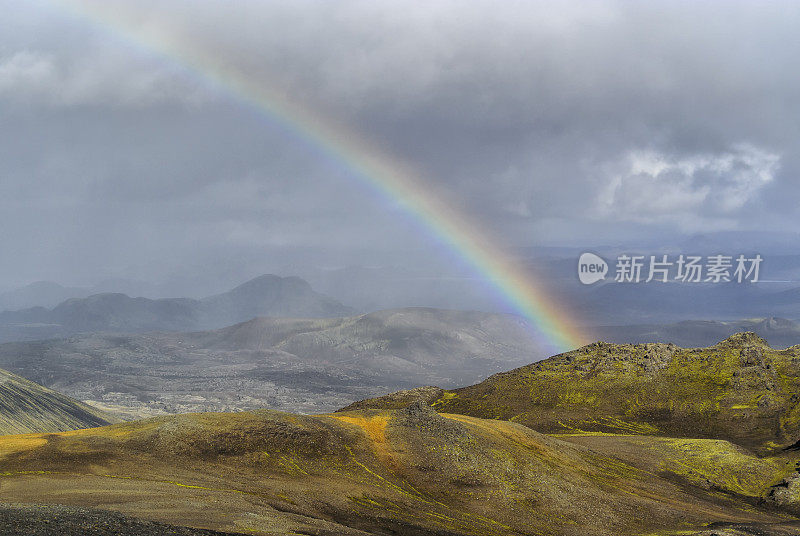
{"x": 779, "y": 332}
{"x": 777, "y": 294}
{"x": 387, "y": 287}
{"x": 636, "y": 303}
{"x": 268, "y": 295}
{"x": 27, "y": 407}
{"x": 39, "y": 294}
{"x": 306, "y": 365}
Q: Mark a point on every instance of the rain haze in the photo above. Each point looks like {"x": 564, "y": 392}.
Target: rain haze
{"x": 555, "y": 128}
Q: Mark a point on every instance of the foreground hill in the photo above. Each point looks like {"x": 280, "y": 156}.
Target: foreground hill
{"x": 268, "y": 295}
{"x": 409, "y": 471}
{"x": 307, "y": 365}
{"x": 740, "y": 390}
{"x": 28, "y": 407}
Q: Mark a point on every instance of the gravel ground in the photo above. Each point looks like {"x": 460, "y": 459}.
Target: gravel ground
{"x": 790, "y": 528}
{"x": 65, "y": 521}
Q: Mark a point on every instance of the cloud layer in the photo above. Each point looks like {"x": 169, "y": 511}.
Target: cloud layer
{"x": 549, "y": 123}
{"x": 705, "y": 191}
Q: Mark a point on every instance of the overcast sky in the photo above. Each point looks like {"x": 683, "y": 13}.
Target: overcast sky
{"x": 551, "y": 123}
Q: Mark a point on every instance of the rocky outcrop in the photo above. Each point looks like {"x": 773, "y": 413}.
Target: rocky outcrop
{"x": 786, "y": 493}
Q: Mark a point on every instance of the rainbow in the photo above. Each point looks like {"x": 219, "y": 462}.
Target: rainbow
{"x": 390, "y": 178}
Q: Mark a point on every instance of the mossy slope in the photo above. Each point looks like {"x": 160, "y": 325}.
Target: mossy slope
{"x": 739, "y": 390}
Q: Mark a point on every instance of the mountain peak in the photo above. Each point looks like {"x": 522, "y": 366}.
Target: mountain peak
{"x": 742, "y": 340}
{"x": 272, "y": 295}
{"x": 775, "y": 323}
{"x": 271, "y": 280}
{"x": 267, "y": 286}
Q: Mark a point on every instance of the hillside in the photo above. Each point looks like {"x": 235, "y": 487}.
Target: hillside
{"x": 28, "y": 407}
{"x": 409, "y": 471}
{"x": 740, "y": 390}
{"x": 267, "y": 295}
{"x": 306, "y": 365}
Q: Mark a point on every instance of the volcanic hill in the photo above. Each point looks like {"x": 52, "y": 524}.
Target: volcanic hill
{"x": 739, "y": 390}
{"x": 28, "y": 407}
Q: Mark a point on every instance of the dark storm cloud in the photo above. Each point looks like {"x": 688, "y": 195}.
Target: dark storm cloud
{"x": 550, "y": 122}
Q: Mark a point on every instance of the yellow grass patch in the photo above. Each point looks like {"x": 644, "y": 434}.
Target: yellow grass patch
{"x": 20, "y": 443}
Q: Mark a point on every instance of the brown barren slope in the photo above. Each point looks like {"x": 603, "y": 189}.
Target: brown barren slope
{"x": 407, "y": 471}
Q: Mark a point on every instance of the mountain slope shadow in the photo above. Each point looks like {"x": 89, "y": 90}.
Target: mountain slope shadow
{"x": 28, "y": 407}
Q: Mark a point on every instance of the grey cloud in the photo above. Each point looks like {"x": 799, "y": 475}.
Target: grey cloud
{"x": 526, "y": 114}
{"x": 36, "y": 78}
{"x": 699, "y": 192}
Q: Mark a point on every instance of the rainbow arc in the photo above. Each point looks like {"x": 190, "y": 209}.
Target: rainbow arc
{"x": 392, "y": 179}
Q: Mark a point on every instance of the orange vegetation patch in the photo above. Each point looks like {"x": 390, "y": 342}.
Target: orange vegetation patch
{"x": 373, "y": 427}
